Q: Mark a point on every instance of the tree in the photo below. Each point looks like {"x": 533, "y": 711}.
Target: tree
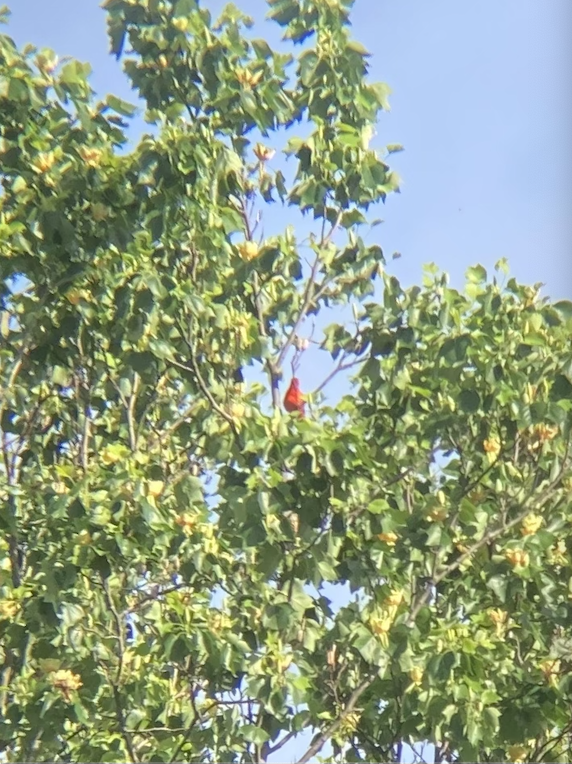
{"x": 168, "y": 531}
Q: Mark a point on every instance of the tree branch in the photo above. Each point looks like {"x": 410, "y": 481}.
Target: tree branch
{"x": 286, "y": 739}
{"x": 195, "y": 372}
{"x": 131, "y": 412}
{"x": 115, "y": 684}
{"x": 203, "y": 387}
{"x": 340, "y": 366}
{"x": 491, "y": 535}
{"x": 306, "y": 303}
{"x": 317, "y": 746}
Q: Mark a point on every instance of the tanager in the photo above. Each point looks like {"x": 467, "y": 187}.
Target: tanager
{"x": 294, "y": 400}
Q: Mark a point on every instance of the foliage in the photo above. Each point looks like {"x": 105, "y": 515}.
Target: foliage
{"x": 168, "y": 538}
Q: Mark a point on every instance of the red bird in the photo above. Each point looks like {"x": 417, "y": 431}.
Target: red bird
{"x": 294, "y": 400}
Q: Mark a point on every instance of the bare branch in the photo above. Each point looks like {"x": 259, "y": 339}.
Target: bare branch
{"x": 306, "y": 303}
{"x": 281, "y": 743}
{"x": 341, "y": 366}
{"x": 325, "y": 241}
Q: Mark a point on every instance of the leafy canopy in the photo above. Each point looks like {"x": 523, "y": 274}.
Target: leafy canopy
{"x": 171, "y": 544}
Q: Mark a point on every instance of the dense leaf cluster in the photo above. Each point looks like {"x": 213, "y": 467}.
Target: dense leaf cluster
{"x": 171, "y": 541}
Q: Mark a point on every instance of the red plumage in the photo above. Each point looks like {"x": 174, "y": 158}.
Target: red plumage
{"x": 294, "y": 400}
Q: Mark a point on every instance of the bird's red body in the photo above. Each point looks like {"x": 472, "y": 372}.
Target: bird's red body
{"x": 294, "y": 400}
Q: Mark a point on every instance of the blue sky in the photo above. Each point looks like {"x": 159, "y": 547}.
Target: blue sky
{"x": 481, "y": 102}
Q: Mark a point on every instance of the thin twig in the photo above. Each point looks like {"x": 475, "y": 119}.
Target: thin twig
{"x": 86, "y": 431}
{"x": 131, "y": 412}
{"x": 195, "y": 372}
{"x": 169, "y": 431}
{"x": 204, "y": 389}
{"x": 325, "y": 241}
{"x": 285, "y": 740}
{"x": 306, "y": 303}
{"x": 196, "y": 718}
{"x": 317, "y": 746}
{"x": 273, "y": 373}
{"x": 11, "y": 379}
{"x": 339, "y": 367}
{"x": 155, "y": 595}
{"x": 117, "y": 682}
{"x": 152, "y": 398}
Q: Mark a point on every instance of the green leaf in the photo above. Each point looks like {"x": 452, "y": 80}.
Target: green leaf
{"x": 564, "y": 307}
{"x": 561, "y": 388}
{"x": 352, "y": 217}
{"x": 184, "y": 7}
{"x": 308, "y": 63}
{"x": 284, "y": 11}
{"x": 381, "y": 92}
{"x": 189, "y": 491}
{"x": 476, "y": 274}
{"x": 120, "y": 106}
{"x": 498, "y": 584}
{"x": 254, "y": 734}
{"x": 469, "y": 401}
{"x": 434, "y": 535}
{"x": 377, "y": 506}
{"x": 369, "y": 647}
{"x": 61, "y": 376}
{"x": 357, "y": 47}
{"x": 502, "y": 266}
{"x": 299, "y": 599}
{"x": 455, "y": 350}
{"x": 262, "y": 48}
